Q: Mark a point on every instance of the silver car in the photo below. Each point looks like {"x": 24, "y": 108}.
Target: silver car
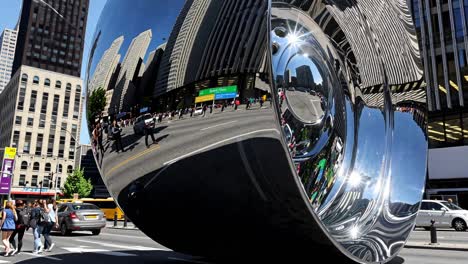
{"x": 80, "y": 217}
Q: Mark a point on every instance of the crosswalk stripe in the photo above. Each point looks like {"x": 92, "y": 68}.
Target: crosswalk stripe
{"x": 4, "y": 261}
{"x": 98, "y": 250}
{"x": 42, "y": 256}
{"x": 139, "y": 248}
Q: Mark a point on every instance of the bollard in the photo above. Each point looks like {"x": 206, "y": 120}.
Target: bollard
{"x": 433, "y": 232}
{"x": 125, "y": 221}
{"x": 115, "y": 219}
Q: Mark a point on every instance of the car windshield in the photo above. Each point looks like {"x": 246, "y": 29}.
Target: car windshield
{"x": 148, "y": 116}
{"x": 452, "y": 206}
{"x": 84, "y": 207}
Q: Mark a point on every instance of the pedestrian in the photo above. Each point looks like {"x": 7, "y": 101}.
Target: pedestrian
{"x": 248, "y": 104}
{"x": 21, "y": 226}
{"x": 8, "y": 225}
{"x": 116, "y": 134}
{"x": 51, "y": 208}
{"x": 35, "y": 223}
{"x": 99, "y": 138}
{"x": 204, "y": 110}
{"x": 149, "y": 131}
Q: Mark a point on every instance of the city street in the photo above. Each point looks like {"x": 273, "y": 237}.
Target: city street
{"x": 130, "y": 245}
{"x": 179, "y": 138}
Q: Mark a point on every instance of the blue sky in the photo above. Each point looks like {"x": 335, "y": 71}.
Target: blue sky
{"x": 9, "y": 13}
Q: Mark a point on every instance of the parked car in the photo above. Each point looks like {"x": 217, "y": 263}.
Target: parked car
{"x": 141, "y": 122}
{"x": 80, "y": 217}
{"x": 445, "y": 214}
{"x": 198, "y": 111}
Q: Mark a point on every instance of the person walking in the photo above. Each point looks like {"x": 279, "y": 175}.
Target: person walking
{"x": 51, "y": 208}
{"x": 99, "y": 137}
{"x": 149, "y": 131}
{"x": 8, "y": 226}
{"x": 35, "y": 223}
{"x": 21, "y": 225}
{"x": 117, "y": 137}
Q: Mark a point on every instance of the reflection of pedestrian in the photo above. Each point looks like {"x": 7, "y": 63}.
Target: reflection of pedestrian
{"x": 211, "y": 109}
{"x": 204, "y": 110}
{"x": 116, "y": 133}
{"x": 149, "y": 131}
{"x": 99, "y": 137}
{"x": 248, "y": 104}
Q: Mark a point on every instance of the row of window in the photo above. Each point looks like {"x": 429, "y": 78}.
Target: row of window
{"x": 48, "y": 167}
{"x": 45, "y": 183}
{"x": 40, "y": 140}
{"x": 58, "y": 84}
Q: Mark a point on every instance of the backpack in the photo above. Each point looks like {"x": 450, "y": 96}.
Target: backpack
{"x": 24, "y": 216}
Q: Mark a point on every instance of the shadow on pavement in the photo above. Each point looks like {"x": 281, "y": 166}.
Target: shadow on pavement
{"x": 397, "y": 260}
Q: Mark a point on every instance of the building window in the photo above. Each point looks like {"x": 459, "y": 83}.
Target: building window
{"x": 78, "y": 88}
{"x": 58, "y": 84}
{"x": 71, "y": 149}
{"x": 59, "y": 182}
{"x": 69, "y": 169}
{"x": 60, "y": 168}
{"x": 36, "y": 80}
{"x": 46, "y": 181}
{"x": 27, "y": 143}
{"x": 42, "y": 121}
{"x": 16, "y": 136}
{"x": 18, "y": 120}
{"x": 47, "y": 167}
{"x": 39, "y": 142}
{"x": 45, "y": 100}
{"x": 36, "y": 166}
{"x": 47, "y": 83}
{"x": 34, "y": 180}
{"x": 22, "y": 180}
{"x": 24, "y": 78}
{"x": 30, "y": 121}
{"x": 50, "y": 145}
{"x": 32, "y": 103}
{"x": 24, "y": 165}
{"x": 22, "y": 95}
{"x": 56, "y": 104}
{"x": 76, "y": 107}
{"x": 66, "y": 102}
{"x": 61, "y": 147}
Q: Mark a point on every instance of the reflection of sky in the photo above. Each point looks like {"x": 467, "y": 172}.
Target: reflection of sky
{"x": 300, "y": 60}
{"x": 130, "y": 18}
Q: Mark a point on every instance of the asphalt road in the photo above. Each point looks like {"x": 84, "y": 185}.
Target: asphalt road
{"x": 132, "y": 246}
{"x": 446, "y": 236}
{"x": 304, "y": 105}
{"x": 178, "y": 138}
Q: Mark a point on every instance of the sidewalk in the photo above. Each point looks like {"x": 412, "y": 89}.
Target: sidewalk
{"x": 440, "y": 246}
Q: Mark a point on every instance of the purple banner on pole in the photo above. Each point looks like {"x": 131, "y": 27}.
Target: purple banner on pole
{"x": 5, "y": 180}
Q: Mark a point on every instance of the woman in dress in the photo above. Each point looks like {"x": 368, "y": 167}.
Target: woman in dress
{"x": 8, "y": 225}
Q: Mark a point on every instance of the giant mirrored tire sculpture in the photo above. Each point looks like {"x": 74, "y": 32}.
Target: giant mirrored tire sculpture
{"x": 265, "y": 128}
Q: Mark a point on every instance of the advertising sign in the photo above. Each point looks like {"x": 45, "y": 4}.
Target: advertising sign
{"x": 9, "y": 153}
{"x": 7, "y": 170}
{"x": 204, "y": 98}
{"x": 219, "y": 90}
{"x": 225, "y": 96}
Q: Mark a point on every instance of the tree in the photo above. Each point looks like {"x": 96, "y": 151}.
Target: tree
{"x": 76, "y": 183}
{"x": 96, "y": 103}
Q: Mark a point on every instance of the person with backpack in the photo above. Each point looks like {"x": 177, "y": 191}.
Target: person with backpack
{"x": 21, "y": 225}
{"x": 51, "y": 207}
{"x": 8, "y": 225}
{"x": 35, "y": 222}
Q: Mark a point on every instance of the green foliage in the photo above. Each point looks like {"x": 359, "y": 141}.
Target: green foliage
{"x": 76, "y": 183}
{"x": 96, "y": 103}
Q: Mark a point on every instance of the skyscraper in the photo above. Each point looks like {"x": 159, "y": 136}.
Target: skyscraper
{"x": 51, "y": 35}
{"x": 7, "y": 53}
{"x": 442, "y": 28}
{"x": 106, "y": 66}
{"x": 41, "y": 105}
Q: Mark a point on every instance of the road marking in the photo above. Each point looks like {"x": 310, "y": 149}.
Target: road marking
{"x": 4, "y": 261}
{"x": 315, "y": 109}
{"x": 41, "y": 256}
{"x": 132, "y": 158}
{"x": 137, "y": 237}
{"x": 206, "y": 128}
{"x": 139, "y": 248}
{"x": 188, "y": 260}
{"x": 220, "y": 142}
{"x": 98, "y": 250}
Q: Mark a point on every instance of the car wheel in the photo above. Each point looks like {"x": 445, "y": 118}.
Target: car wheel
{"x": 64, "y": 230}
{"x": 96, "y": 232}
{"x": 459, "y": 224}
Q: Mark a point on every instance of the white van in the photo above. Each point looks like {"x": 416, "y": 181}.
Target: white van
{"x": 445, "y": 214}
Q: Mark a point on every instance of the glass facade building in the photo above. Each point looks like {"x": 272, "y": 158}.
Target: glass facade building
{"x": 442, "y": 28}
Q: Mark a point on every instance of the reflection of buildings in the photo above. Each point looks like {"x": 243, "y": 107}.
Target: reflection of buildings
{"x": 131, "y": 68}
{"x": 444, "y": 56}
{"x": 85, "y": 160}
{"x": 106, "y": 66}
{"x": 304, "y": 77}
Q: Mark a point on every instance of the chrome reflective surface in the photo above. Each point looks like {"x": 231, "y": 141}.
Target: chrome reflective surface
{"x": 278, "y": 128}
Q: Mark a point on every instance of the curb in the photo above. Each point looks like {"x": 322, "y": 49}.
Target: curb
{"x": 437, "y": 247}
{"x": 121, "y": 227}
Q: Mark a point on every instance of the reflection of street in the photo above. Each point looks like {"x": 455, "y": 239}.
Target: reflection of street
{"x": 304, "y": 105}
{"x": 178, "y": 138}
